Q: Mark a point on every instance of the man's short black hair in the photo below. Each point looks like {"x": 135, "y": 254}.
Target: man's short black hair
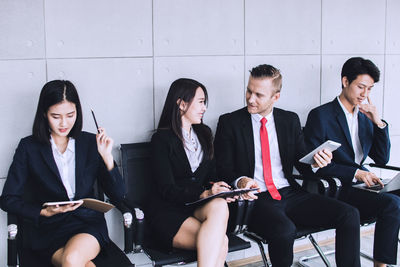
{"x": 357, "y": 66}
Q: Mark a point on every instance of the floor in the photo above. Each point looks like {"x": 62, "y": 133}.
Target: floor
{"x": 366, "y": 247}
{"x": 246, "y": 258}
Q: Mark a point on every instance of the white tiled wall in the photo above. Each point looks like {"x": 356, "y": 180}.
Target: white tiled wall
{"x": 123, "y": 56}
{"x": 98, "y": 28}
{"x": 353, "y": 27}
{"x": 191, "y": 27}
{"x": 282, "y": 27}
{"x": 22, "y": 29}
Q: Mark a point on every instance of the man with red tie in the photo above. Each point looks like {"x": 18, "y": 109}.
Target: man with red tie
{"x": 257, "y": 147}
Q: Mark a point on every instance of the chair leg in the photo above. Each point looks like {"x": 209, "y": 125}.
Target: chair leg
{"x": 366, "y": 256}
{"x": 262, "y": 252}
{"x": 321, "y": 254}
{"x": 319, "y": 250}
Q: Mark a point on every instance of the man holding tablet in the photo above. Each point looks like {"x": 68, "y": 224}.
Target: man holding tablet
{"x": 352, "y": 120}
{"x": 257, "y": 146}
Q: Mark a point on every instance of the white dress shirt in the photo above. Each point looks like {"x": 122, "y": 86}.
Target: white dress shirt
{"x": 276, "y": 164}
{"x": 66, "y": 165}
{"x": 352, "y": 123}
{"x": 193, "y": 149}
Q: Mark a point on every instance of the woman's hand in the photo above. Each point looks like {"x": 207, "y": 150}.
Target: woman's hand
{"x": 56, "y": 209}
{"x": 218, "y": 187}
{"x": 247, "y": 183}
{"x": 104, "y": 146}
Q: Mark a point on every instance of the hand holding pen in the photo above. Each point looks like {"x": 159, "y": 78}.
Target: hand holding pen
{"x": 104, "y": 145}
{"x": 221, "y": 186}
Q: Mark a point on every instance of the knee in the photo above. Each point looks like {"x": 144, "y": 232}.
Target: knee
{"x": 392, "y": 207}
{"x": 72, "y": 258}
{"x": 225, "y": 243}
{"x": 351, "y": 216}
{"x": 219, "y": 207}
{"x": 285, "y": 232}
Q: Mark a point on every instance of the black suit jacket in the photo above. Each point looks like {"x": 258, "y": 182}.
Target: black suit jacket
{"x": 33, "y": 179}
{"x": 234, "y": 145}
{"x": 172, "y": 174}
{"x": 328, "y": 122}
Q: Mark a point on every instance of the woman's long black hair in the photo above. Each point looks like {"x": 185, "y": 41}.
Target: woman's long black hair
{"x": 184, "y": 89}
{"x": 52, "y": 93}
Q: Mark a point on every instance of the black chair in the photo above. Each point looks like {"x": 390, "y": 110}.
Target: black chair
{"x": 136, "y": 168}
{"x": 320, "y": 186}
{"x": 19, "y": 254}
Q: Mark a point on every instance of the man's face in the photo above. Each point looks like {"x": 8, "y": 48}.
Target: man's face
{"x": 358, "y": 90}
{"x": 261, "y": 95}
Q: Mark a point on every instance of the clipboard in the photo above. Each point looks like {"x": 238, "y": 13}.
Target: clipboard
{"x": 226, "y": 194}
{"x": 90, "y": 203}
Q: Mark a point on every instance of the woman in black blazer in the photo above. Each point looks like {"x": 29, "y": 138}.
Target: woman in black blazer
{"x": 183, "y": 167}
{"x": 59, "y": 162}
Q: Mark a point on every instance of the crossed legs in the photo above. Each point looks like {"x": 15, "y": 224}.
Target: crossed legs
{"x": 78, "y": 252}
{"x": 205, "y": 231}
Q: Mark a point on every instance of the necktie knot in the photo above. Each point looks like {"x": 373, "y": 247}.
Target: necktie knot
{"x": 263, "y": 121}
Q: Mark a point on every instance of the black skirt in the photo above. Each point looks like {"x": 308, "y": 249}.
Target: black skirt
{"x": 55, "y": 236}
{"x": 165, "y": 219}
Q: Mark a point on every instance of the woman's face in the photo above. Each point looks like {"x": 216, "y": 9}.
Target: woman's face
{"x": 61, "y": 117}
{"x": 196, "y": 110}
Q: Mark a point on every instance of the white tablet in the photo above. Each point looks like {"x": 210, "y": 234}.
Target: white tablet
{"x": 61, "y": 203}
{"x": 329, "y": 145}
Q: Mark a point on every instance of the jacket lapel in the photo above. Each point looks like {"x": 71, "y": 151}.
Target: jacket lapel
{"x": 247, "y": 133}
{"x": 47, "y": 155}
{"x": 81, "y": 150}
{"x": 281, "y": 134}
{"x": 362, "y": 132}
{"x": 341, "y": 118}
{"x": 181, "y": 154}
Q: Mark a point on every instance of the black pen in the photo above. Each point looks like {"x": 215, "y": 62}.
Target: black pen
{"x": 95, "y": 122}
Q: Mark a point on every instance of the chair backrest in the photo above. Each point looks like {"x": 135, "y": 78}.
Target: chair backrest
{"x": 136, "y": 170}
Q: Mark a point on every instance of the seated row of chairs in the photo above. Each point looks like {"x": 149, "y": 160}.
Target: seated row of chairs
{"x": 136, "y": 170}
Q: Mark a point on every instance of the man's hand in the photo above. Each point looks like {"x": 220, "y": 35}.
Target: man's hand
{"x": 247, "y": 183}
{"x": 369, "y": 178}
{"x": 371, "y": 112}
{"x": 322, "y": 158}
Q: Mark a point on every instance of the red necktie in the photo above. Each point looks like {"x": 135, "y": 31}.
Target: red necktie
{"x": 266, "y": 161}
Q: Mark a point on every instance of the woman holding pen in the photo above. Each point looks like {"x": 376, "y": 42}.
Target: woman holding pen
{"x": 183, "y": 167}
{"x": 60, "y": 162}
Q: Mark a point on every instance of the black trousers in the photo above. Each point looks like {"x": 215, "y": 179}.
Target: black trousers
{"x": 276, "y": 222}
{"x": 385, "y": 207}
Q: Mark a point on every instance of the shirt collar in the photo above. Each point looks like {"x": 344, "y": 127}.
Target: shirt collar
{"x": 70, "y": 146}
{"x": 346, "y": 112}
{"x": 257, "y": 117}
